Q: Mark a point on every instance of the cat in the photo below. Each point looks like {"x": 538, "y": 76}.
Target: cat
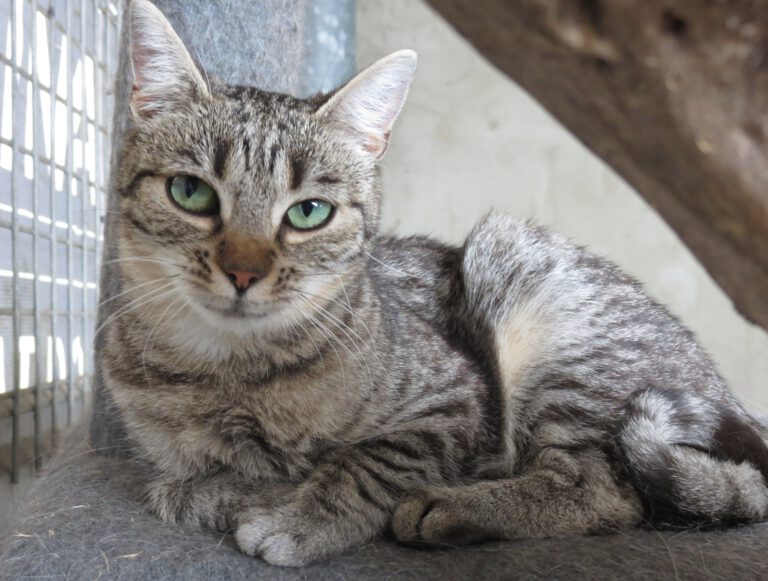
{"x": 294, "y": 376}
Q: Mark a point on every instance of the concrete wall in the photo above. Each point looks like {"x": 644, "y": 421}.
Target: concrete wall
{"x": 469, "y": 139}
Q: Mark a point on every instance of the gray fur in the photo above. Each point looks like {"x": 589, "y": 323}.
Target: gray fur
{"x": 515, "y": 387}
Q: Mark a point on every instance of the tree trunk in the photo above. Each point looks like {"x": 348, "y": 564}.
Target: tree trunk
{"x": 672, "y": 94}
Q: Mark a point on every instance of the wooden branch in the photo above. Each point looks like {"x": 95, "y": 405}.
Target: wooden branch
{"x": 673, "y": 94}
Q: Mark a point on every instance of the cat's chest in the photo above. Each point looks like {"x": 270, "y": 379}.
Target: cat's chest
{"x": 277, "y": 433}
{"x": 254, "y": 445}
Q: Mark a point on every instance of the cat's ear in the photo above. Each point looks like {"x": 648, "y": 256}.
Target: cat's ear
{"x": 164, "y": 75}
{"x": 367, "y": 106}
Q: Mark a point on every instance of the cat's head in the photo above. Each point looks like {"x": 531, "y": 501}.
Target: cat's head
{"x": 246, "y": 205}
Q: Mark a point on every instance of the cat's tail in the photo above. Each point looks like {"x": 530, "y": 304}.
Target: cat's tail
{"x": 694, "y": 461}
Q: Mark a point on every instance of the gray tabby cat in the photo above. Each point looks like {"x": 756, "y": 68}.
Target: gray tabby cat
{"x": 291, "y": 374}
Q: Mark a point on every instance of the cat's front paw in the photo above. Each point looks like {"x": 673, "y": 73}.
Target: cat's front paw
{"x": 279, "y": 536}
{"x": 181, "y": 502}
{"x": 435, "y": 517}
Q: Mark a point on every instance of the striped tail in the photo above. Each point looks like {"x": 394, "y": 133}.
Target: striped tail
{"x": 694, "y": 461}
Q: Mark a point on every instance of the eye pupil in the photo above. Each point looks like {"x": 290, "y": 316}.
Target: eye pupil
{"x": 190, "y": 187}
{"x": 307, "y": 207}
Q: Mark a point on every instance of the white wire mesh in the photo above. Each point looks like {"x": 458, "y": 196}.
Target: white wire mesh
{"x": 57, "y": 67}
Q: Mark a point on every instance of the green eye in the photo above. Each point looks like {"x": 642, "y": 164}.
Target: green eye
{"x": 309, "y": 214}
{"x": 193, "y": 195}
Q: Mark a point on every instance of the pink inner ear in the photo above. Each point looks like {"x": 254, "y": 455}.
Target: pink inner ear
{"x": 140, "y": 59}
{"x": 142, "y": 103}
{"x": 369, "y": 104}
{"x": 375, "y": 144}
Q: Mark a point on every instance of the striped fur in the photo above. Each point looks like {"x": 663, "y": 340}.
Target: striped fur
{"x": 517, "y": 386}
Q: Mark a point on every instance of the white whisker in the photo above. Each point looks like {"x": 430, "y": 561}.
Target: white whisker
{"x": 152, "y": 332}
{"x": 142, "y": 259}
{"x": 343, "y": 328}
{"x": 346, "y": 330}
{"x": 393, "y": 269}
{"x": 309, "y": 336}
{"x": 347, "y": 307}
{"x": 133, "y": 288}
{"x": 157, "y": 293}
{"x": 326, "y": 332}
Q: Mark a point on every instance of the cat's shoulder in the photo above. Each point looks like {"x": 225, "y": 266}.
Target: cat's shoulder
{"x": 411, "y": 249}
{"x": 413, "y": 269}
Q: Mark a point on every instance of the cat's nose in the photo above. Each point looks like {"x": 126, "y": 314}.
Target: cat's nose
{"x": 242, "y": 279}
{"x": 245, "y": 260}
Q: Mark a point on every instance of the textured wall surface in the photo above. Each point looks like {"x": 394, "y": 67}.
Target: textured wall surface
{"x": 469, "y": 139}
{"x": 329, "y": 46}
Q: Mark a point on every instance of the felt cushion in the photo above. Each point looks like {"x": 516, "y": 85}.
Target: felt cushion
{"x": 84, "y": 520}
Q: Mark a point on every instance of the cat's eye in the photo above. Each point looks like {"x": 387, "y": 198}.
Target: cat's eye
{"x": 193, "y": 195}
{"x": 309, "y": 214}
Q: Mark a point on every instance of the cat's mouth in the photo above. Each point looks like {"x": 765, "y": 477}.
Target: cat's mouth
{"x": 236, "y": 311}
{"x": 239, "y": 308}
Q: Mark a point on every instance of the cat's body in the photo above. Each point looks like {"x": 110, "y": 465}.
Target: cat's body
{"x": 517, "y": 386}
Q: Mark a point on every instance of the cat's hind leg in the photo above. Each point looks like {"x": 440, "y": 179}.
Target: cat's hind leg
{"x": 561, "y": 492}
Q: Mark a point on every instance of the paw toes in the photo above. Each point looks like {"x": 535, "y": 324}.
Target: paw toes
{"x": 430, "y": 521}
{"x": 255, "y": 527}
{"x": 407, "y": 518}
{"x": 419, "y": 517}
{"x": 283, "y": 550}
{"x": 248, "y": 539}
{"x": 272, "y": 538}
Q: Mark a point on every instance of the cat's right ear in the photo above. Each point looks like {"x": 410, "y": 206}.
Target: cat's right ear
{"x": 164, "y": 75}
{"x": 367, "y": 106}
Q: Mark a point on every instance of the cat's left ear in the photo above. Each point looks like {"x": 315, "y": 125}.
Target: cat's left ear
{"x": 165, "y": 78}
{"x": 367, "y": 106}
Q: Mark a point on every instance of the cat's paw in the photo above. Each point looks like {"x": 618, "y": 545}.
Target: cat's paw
{"x": 176, "y": 502}
{"x": 279, "y": 536}
{"x": 435, "y": 517}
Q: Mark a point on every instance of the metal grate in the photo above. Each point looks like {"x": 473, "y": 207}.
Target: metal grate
{"x": 58, "y": 61}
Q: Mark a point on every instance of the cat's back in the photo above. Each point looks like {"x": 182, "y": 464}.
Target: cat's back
{"x": 563, "y": 310}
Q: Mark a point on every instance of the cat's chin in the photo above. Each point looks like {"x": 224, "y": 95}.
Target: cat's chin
{"x": 238, "y": 317}
{"x": 236, "y": 311}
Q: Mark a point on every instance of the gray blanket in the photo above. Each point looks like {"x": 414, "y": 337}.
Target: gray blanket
{"x": 84, "y": 520}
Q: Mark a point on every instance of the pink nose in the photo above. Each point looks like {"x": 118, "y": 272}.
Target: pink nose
{"x": 242, "y": 279}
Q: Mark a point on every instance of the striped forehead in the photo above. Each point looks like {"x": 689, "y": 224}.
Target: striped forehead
{"x": 251, "y": 143}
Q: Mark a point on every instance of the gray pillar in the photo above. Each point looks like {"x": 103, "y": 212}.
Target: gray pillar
{"x": 298, "y": 47}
